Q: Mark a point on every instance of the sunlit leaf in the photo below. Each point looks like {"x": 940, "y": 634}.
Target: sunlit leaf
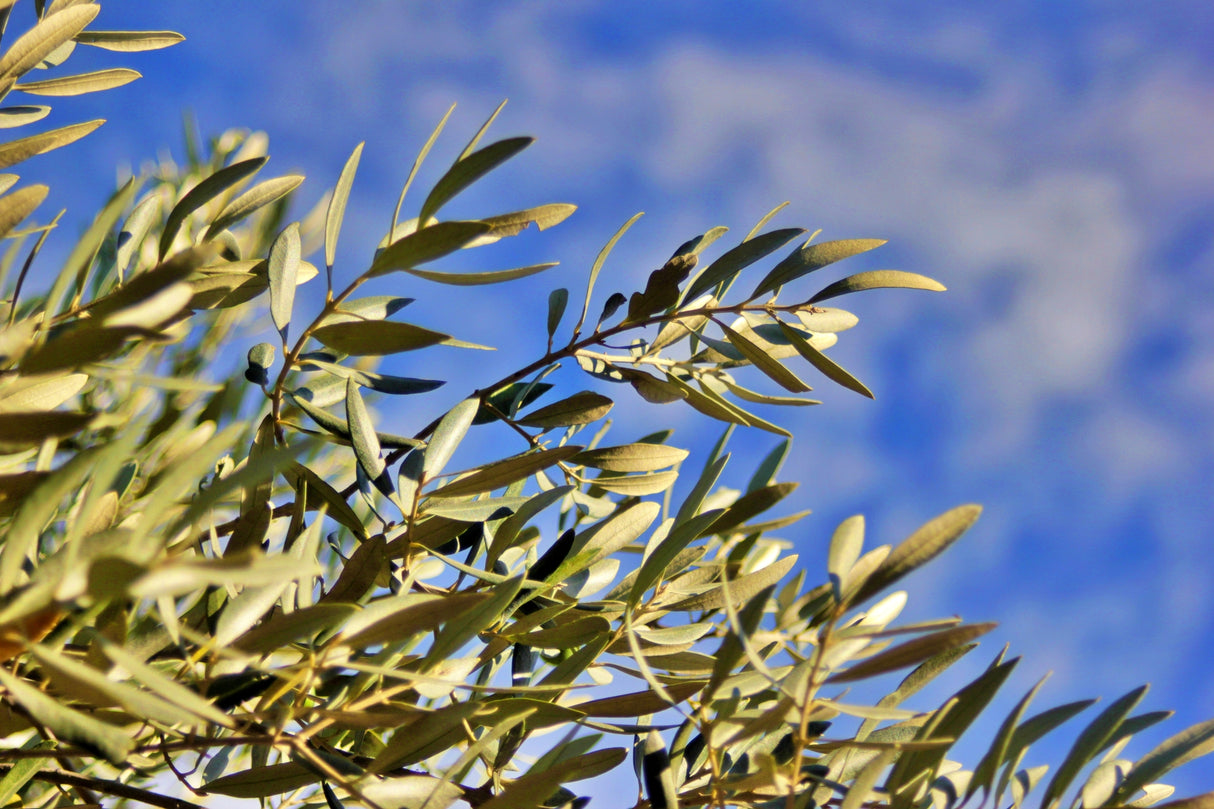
{"x": 580, "y": 408}
{"x": 15, "y": 151}
{"x": 377, "y": 337}
{"x": 129, "y": 41}
{"x": 919, "y": 548}
{"x": 502, "y": 473}
{"x": 283, "y": 271}
{"x": 812, "y": 257}
{"x": 257, "y": 197}
{"x": 11, "y": 117}
{"x": 829, "y": 368}
{"x": 471, "y": 279}
{"x": 15, "y": 207}
{"x": 597, "y": 266}
{"x": 738, "y": 258}
{"x": 1094, "y": 738}
{"x": 81, "y": 83}
{"x": 467, "y": 170}
{"x": 337, "y": 206}
{"x": 877, "y": 279}
{"x": 631, "y": 457}
{"x": 201, "y": 194}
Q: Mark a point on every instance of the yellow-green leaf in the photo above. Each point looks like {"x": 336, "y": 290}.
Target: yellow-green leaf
{"x": 639, "y": 703}
{"x": 129, "y": 41}
{"x": 812, "y": 257}
{"x": 765, "y": 362}
{"x": 740, "y": 589}
{"x": 637, "y": 485}
{"x": 580, "y": 408}
{"x": 510, "y": 224}
{"x": 203, "y": 193}
{"x": 81, "y": 83}
{"x": 337, "y": 205}
{"x": 15, "y": 151}
{"x": 878, "y": 279}
{"x": 19, "y": 429}
{"x": 467, "y": 170}
{"x": 912, "y": 652}
{"x": 631, "y": 457}
{"x": 377, "y": 337}
{"x": 256, "y": 197}
{"x": 15, "y": 207}
{"x": 429, "y": 243}
{"x": 283, "y": 272}
{"x": 502, "y": 473}
{"x": 829, "y": 368}
{"x": 919, "y": 548}
{"x": 472, "y": 279}
{"x": 261, "y": 782}
{"x": 738, "y": 258}
{"x": 11, "y": 117}
{"x": 68, "y": 724}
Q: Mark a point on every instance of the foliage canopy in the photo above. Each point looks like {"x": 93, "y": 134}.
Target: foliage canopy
{"x": 244, "y": 583}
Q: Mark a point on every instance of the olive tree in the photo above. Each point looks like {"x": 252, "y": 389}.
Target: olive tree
{"x": 221, "y": 574}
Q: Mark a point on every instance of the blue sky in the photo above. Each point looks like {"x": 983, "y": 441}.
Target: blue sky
{"x": 1052, "y": 163}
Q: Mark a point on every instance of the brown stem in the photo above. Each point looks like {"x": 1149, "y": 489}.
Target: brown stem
{"x": 107, "y": 787}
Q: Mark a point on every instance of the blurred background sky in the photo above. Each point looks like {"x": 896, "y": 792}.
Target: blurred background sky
{"x": 1051, "y": 162}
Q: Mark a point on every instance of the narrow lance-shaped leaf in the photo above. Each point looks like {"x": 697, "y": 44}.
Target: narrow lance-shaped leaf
{"x": 474, "y": 279}
{"x": 504, "y": 472}
{"x": 829, "y": 368}
{"x": 11, "y": 117}
{"x": 534, "y": 788}
{"x": 912, "y": 652}
{"x": 417, "y": 163}
{"x": 203, "y": 193}
{"x": 738, "y": 258}
{"x": 283, "y": 270}
{"x": 467, "y": 170}
{"x": 15, "y": 151}
{"x": 377, "y": 337}
{"x": 252, "y": 200}
{"x": 641, "y": 457}
{"x": 429, "y": 243}
{"x": 812, "y": 257}
{"x": 557, "y": 300}
{"x": 129, "y": 41}
{"x": 362, "y": 432}
{"x": 510, "y": 224}
{"x": 1094, "y": 738}
{"x": 81, "y": 83}
{"x": 740, "y": 589}
{"x": 878, "y": 279}
{"x": 15, "y": 207}
{"x": 447, "y": 436}
{"x": 599, "y": 260}
{"x": 337, "y": 208}
{"x": 845, "y": 547}
{"x": 919, "y": 548}
{"x": 765, "y": 362}
{"x": 988, "y": 767}
{"x": 1166, "y": 756}
{"x": 580, "y": 408}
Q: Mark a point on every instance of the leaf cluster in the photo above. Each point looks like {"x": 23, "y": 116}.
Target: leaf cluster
{"x": 246, "y": 582}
